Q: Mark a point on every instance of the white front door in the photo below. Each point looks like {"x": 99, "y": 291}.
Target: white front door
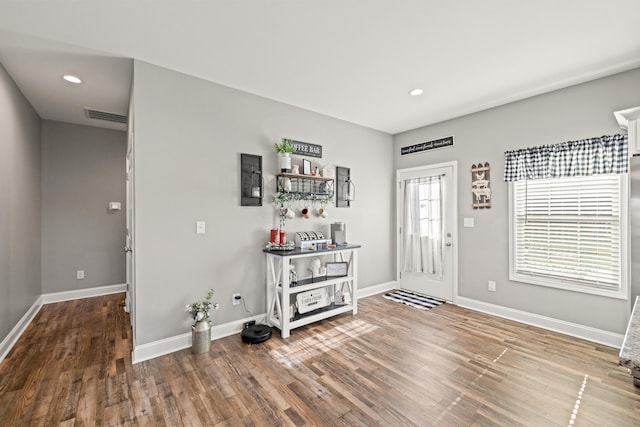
{"x": 426, "y": 223}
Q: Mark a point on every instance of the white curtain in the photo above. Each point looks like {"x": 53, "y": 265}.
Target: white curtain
{"x": 422, "y": 226}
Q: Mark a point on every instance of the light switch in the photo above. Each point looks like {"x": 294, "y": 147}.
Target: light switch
{"x": 469, "y": 222}
{"x": 115, "y": 206}
{"x": 201, "y": 227}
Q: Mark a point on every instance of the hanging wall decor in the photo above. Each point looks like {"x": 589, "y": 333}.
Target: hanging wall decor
{"x": 429, "y": 145}
{"x": 251, "y": 182}
{"x": 344, "y": 192}
{"x": 306, "y": 149}
{"x": 480, "y": 185}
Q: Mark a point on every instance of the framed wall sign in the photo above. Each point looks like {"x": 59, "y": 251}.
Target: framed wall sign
{"x": 481, "y": 185}
{"x": 429, "y": 145}
{"x": 337, "y": 269}
{"x": 306, "y": 149}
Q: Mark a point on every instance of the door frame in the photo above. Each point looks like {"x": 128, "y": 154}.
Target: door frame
{"x": 454, "y": 221}
{"x": 130, "y": 233}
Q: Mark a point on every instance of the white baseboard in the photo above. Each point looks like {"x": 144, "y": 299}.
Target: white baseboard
{"x": 376, "y": 289}
{"x": 10, "y": 340}
{"x": 169, "y": 345}
{"x": 83, "y": 293}
{"x": 573, "y": 329}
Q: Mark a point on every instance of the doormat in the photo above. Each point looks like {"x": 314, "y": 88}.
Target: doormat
{"x": 422, "y": 302}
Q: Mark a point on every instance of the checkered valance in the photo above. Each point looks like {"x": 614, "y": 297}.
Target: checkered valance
{"x": 607, "y": 154}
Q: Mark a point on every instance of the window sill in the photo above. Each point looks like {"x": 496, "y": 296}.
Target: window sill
{"x": 568, "y": 286}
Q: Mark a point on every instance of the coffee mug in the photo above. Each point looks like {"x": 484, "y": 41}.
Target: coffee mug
{"x": 288, "y": 213}
{"x": 305, "y": 213}
{"x": 323, "y": 212}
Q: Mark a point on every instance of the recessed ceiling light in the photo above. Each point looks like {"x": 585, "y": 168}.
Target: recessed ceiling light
{"x": 72, "y": 79}
{"x": 416, "y": 92}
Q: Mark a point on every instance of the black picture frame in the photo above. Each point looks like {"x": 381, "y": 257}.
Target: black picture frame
{"x": 337, "y": 269}
{"x": 306, "y": 167}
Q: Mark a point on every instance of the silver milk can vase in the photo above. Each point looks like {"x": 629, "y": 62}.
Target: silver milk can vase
{"x": 201, "y": 337}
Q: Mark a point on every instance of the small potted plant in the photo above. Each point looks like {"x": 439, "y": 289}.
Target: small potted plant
{"x": 201, "y": 328}
{"x": 284, "y": 148}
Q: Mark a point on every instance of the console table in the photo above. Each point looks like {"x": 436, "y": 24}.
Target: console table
{"x": 280, "y": 292}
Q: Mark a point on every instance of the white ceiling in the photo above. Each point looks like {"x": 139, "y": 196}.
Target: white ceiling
{"x": 355, "y": 60}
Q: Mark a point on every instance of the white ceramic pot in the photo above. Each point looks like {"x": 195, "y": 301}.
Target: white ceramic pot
{"x": 284, "y": 161}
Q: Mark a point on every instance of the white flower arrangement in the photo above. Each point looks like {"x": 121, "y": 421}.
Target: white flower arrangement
{"x": 201, "y": 310}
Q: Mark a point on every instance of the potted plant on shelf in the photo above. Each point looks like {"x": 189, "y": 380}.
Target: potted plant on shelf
{"x": 284, "y": 148}
{"x": 201, "y": 328}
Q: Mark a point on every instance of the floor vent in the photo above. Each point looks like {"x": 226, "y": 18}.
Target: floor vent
{"x": 103, "y": 115}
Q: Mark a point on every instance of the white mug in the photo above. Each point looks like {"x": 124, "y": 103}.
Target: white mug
{"x": 289, "y": 213}
{"x": 323, "y": 212}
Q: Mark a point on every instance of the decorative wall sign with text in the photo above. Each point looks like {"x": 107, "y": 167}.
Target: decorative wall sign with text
{"x": 429, "y": 145}
{"x": 481, "y": 185}
{"x": 306, "y": 149}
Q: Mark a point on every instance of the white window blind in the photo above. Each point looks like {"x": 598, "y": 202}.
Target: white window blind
{"x": 569, "y": 229}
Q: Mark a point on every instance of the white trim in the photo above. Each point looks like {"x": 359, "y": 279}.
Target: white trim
{"x": 179, "y": 342}
{"x": 17, "y": 331}
{"x": 157, "y": 348}
{"x": 83, "y": 293}
{"x": 13, "y": 336}
{"x": 376, "y": 289}
{"x": 168, "y": 345}
{"x": 573, "y": 329}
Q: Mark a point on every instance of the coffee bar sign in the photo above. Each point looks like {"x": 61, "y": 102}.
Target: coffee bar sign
{"x": 429, "y": 145}
{"x": 305, "y": 149}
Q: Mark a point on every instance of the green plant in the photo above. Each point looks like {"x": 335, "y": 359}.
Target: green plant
{"x": 285, "y": 146}
{"x": 281, "y": 198}
{"x": 201, "y": 310}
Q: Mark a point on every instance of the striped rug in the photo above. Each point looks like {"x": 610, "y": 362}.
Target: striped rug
{"x": 422, "y": 302}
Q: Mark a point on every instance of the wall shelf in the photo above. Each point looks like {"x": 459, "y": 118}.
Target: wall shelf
{"x": 291, "y": 187}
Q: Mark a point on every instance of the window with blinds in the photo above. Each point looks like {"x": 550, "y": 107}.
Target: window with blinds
{"x": 569, "y": 232}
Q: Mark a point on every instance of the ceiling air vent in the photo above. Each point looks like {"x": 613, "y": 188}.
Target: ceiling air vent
{"x": 103, "y": 115}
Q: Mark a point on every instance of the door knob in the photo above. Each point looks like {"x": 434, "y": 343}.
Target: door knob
{"x": 127, "y": 249}
{"x": 448, "y": 244}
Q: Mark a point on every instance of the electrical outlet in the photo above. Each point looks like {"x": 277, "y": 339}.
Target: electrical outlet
{"x": 235, "y": 299}
{"x": 491, "y": 286}
{"x": 80, "y": 274}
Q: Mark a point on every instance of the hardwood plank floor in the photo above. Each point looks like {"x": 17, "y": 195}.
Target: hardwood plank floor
{"x": 391, "y": 365}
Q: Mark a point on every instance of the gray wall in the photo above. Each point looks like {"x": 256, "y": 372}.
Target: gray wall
{"x": 19, "y": 205}
{"x": 83, "y": 169}
{"x": 577, "y": 112}
{"x": 188, "y": 139}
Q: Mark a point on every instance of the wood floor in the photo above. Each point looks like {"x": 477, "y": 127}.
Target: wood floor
{"x": 391, "y": 365}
